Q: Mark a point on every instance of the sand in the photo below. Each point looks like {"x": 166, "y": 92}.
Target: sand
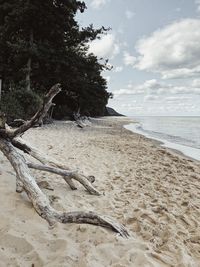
{"x": 154, "y": 191}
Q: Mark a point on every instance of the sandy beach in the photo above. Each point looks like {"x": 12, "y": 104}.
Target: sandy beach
{"x": 152, "y": 190}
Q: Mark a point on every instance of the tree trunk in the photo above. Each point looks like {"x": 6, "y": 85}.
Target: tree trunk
{"x": 29, "y": 63}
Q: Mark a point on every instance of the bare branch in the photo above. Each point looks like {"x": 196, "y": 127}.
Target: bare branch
{"x": 41, "y": 203}
{"x": 47, "y": 102}
{"x": 67, "y": 173}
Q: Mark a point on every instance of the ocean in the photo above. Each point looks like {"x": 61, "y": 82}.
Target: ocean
{"x": 181, "y": 133}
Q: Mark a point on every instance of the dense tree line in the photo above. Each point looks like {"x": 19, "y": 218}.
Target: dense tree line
{"x": 42, "y": 44}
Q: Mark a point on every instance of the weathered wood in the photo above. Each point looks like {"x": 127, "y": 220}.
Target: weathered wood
{"x": 67, "y": 174}
{"x": 46, "y": 109}
{"x": 11, "y": 133}
{"x": 81, "y": 121}
{"x": 9, "y": 145}
{"x": 20, "y": 144}
{"x": 94, "y": 218}
{"x": 39, "y": 200}
{"x": 46, "y": 104}
{"x": 42, "y": 204}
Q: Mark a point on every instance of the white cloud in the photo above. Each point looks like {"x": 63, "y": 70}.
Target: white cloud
{"x": 129, "y": 14}
{"x": 154, "y": 87}
{"x": 97, "y": 4}
{"x": 150, "y": 97}
{"x": 107, "y": 46}
{"x": 116, "y": 50}
{"x": 125, "y": 91}
{"x": 173, "y": 51}
{"x": 108, "y": 78}
{"x": 118, "y": 69}
{"x": 166, "y": 105}
{"x": 179, "y": 98}
{"x": 196, "y": 83}
{"x": 138, "y": 89}
{"x": 128, "y": 59}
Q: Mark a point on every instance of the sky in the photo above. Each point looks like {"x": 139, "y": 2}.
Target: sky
{"x": 154, "y": 48}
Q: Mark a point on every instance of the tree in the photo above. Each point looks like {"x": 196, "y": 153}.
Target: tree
{"x": 41, "y": 44}
{"x": 87, "y": 93}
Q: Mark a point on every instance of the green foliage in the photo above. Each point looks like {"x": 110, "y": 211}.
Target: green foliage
{"x": 43, "y": 40}
{"x": 20, "y": 103}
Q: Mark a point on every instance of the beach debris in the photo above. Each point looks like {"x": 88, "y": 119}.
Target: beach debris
{"x": 81, "y": 121}
{"x": 11, "y": 144}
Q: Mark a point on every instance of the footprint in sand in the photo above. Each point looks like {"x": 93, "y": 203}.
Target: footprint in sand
{"x": 22, "y": 252}
{"x": 57, "y": 245}
{"x": 15, "y": 244}
{"x": 4, "y": 225}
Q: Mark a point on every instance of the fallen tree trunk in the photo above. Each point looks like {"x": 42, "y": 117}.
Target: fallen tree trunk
{"x": 10, "y": 144}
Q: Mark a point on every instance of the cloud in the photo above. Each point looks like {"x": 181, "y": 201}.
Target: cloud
{"x": 97, "y": 4}
{"x": 150, "y": 98}
{"x": 166, "y": 105}
{"x": 172, "y": 99}
{"x": 172, "y": 51}
{"x": 154, "y": 97}
{"x": 138, "y": 89}
{"x": 132, "y": 91}
{"x": 148, "y": 87}
{"x": 128, "y": 59}
{"x": 108, "y": 78}
{"x": 196, "y": 83}
{"x": 118, "y": 69}
{"x": 107, "y": 46}
{"x": 154, "y": 88}
{"x": 129, "y": 14}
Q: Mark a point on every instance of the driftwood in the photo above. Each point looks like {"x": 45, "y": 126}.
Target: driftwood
{"x": 81, "y": 121}
{"x": 11, "y": 144}
{"x": 78, "y": 120}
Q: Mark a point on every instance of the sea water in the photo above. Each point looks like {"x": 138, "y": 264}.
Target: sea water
{"x": 181, "y": 133}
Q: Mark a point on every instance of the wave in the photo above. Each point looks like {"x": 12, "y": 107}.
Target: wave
{"x": 189, "y": 148}
{"x": 171, "y": 138}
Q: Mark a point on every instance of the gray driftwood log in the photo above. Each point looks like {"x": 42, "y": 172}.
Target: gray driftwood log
{"x": 11, "y": 144}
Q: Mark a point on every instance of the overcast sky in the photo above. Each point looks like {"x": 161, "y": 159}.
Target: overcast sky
{"x": 154, "y": 47}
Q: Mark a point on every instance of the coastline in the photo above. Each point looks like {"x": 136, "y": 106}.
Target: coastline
{"x": 187, "y": 151}
{"x": 151, "y": 189}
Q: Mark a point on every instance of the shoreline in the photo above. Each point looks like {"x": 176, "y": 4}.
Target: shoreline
{"x": 187, "y": 151}
{"x": 151, "y": 190}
